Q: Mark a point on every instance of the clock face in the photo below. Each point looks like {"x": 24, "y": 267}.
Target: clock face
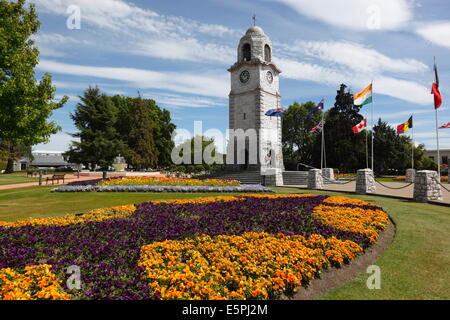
{"x": 269, "y": 76}
{"x": 244, "y": 76}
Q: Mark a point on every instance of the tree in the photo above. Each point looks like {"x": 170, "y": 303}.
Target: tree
{"x": 25, "y": 104}
{"x": 207, "y": 147}
{"x": 95, "y": 118}
{"x": 344, "y": 149}
{"x": 161, "y": 123}
{"x": 142, "y": 150}
{"x": 298, "y": 143}
{"x": 391, "y": 150}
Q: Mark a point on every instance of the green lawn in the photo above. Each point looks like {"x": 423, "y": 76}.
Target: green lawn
{"x": 415, "y": 266}
{"x": 417, "y": 263}
{"x": 16, "y": 177}
{"x": 37, "y": 202}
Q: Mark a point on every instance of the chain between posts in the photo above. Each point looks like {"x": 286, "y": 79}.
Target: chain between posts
{"x": 439, "y": 182}
{"x": 394, "y": 188}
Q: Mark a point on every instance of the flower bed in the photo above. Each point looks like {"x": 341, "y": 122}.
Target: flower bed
{"x": 403, "y": 178}
{"x": 186, "y": 189}
{"x": 155, "y": 181}
{"x": 248, "y": 246}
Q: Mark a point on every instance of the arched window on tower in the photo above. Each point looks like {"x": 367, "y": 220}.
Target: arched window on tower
{"x": 247, "y": 52}
{"x": 267, "y": 53}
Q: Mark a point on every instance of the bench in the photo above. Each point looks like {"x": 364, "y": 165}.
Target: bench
{"x": 54, "y": 177}
{"x": 32, "y": 173}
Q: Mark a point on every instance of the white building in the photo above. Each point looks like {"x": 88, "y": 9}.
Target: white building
{"x": 443, "y": 153}
{"x": 254, "y": 91}
{"x": 42, "y": 159}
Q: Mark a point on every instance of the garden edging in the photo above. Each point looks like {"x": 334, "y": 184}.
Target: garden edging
{"x": 334, "y": 277}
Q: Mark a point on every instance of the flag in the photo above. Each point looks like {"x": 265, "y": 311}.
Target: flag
{"x": 363, "y": 97}
{"x": 404, "y": 127}
{"x": 435, "y": 89}
{"x": 445, "y": 126}
{"x": 360, "y": 126}
{"x": 313, "y": 111}
{"x": 316, "y": 128}
{"x": 275, "y": 112}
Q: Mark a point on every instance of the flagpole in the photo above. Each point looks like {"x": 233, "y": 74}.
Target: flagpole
{"x": 437, "y": 144}
{"x": 367, "y": 150}
{"x": 437, "y": 131}
{"x": 321, "y": 145}
{"x": 373, "y": 132}
{"x": 412, "y": 145}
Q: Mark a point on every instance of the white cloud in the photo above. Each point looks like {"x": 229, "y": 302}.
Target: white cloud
{"x": 400, "y": 89}
{"x": 178, "y": 101}
{"x": 57, "y": 142}
{"x": 208, "y": 84}
{"x": 356, "y": 14}
{"x": 355, "y": 56}
{"x": 436, "y": 32}
{"x": 184, "y": 49}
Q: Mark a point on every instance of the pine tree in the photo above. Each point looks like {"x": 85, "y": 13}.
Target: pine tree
{"x": 344, "y": 149}
{"x": 95, "y": 119}
{"x": 142, "y": 151}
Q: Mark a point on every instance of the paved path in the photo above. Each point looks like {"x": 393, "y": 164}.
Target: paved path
{"x": 381, "y": 190}
{"x": 67, "y": 178}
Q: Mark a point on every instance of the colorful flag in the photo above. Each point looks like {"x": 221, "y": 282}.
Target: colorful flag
{"x": 275, "y": 112}
{"x": 360, "y": 126}
{"x": 445, "y": 126}
{"x": 313, "y": 111}
{"x": 363, "y": 97}
{"x": 435, "y": 89}
{"x": 316, "y": 128}
{"x": 404, "y": 127}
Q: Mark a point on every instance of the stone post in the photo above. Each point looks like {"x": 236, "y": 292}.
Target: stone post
{"x": 410, "y": 175}
{"x": 328, "y": 173}
{"x": 315, "y": 180}
{"x": 365, "y": 182}
{"x": 426, "y": 186}
{"x": 272, "y": 177}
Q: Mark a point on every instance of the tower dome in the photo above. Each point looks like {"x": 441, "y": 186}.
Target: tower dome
{"x": 255, "y": 46}
{"x": 255, "y": 30}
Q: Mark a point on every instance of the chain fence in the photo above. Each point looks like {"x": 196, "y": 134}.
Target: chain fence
{"x": 442, "y": 186}
{"x": 393, "y": 188}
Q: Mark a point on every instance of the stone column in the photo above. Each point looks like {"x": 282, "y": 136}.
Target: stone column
{"x": 426, "y": 186}
{"x": 365, "y": 182}
{"x": 272, "y": 177}
{"x": 328, "y": 173}
{"x": 315, "y": 180}
{"x": 410, "y": 175}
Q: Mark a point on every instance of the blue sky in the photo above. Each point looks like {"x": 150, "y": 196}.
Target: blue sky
{"x": 177, "y": 52}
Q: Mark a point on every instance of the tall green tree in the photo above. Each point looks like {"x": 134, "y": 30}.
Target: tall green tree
{"x": 142, "y": 150}
{"x": 298, "y": 143}
{"x": 161, "y": 123}
{"x": 95, "y": 118}
{"x": 390, "y": 150}
{"x": 344, "y": 149}
{"x": 25, "y": 103}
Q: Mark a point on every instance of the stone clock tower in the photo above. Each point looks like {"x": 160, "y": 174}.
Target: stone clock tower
{"x": 254, "y": 91}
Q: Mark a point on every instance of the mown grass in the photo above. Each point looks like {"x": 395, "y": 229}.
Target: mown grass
{"x": 37, "y": 202}
{"x": 16, "y": 177}
{"x": 417, "y": 263}
{"x": 415, "y": 266}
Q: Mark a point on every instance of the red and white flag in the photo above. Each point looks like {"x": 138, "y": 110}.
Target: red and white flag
{"x": 445, "y": 126}
{"x": 316, "y": 128}
{"x": 435, "y": 89}
{"x": 359, "y": 127}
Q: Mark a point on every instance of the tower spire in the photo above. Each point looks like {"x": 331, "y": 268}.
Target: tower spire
{"x": 254, "y": 20}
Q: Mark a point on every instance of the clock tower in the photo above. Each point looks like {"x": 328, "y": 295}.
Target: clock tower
{"x": 254, "y": 91}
